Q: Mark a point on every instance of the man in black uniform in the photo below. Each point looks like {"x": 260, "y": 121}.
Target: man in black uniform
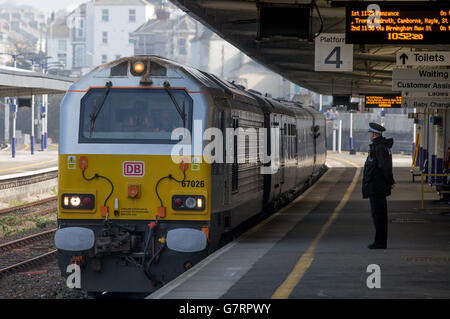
{"x": 378, "y": 181}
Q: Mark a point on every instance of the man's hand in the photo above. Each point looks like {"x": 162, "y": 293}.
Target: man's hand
{"x": 392, "y": 186}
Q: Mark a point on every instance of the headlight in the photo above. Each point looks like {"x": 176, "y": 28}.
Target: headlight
{"x": 138, "y": 68}
{"x": 75, "y": 201}
{"x": 190, "y": 202}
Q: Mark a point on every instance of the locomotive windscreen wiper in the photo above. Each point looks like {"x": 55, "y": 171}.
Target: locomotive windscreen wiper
{"x": 180, "y": 111}
{"x": 95, "y": 110}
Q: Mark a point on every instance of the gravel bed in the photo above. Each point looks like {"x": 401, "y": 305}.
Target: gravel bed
{"x": 42, "y": 282}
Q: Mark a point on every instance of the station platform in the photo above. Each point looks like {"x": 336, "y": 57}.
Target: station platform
{"x": 316, "y": 247}
{"x": 25, "y": 163}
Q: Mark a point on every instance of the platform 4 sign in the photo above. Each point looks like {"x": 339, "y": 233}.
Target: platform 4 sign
{"x": 332, "y": 54}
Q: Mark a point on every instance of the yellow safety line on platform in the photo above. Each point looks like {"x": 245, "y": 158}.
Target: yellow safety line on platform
{"x": 284, "y": 291}
{"x": 343, "y": 160}
{"x": 26, "y": 166}
{"x": 26, "y": 147}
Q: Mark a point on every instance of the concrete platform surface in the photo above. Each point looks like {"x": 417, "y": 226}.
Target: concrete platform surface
{"x": 316, "y": 247}
{"x": 24, "y": 162}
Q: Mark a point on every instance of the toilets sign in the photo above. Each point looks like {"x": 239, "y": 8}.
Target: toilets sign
{"x": 427, "y": 58}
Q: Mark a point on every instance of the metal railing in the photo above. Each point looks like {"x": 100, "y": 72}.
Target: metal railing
{"x": 423, "y": 191}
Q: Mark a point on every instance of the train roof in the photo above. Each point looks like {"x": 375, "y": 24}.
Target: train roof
{"x": 161, "y": 66}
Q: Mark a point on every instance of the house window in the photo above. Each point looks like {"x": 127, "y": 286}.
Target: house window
{"x": 62, "y": 45}
{"x": 105, "y": 15}
{"x": 182, "y": 46}
{"x": 105, "y": 37}
{"x": 171, "y": 49}
{"x": 62, "y": 58}
{"x": 79, "y": 56}
{"x": 104, "y": 58}
{"x": 132, "y": 15}
{"x": 81, "y": 26}
{"x": 130, "y": 38}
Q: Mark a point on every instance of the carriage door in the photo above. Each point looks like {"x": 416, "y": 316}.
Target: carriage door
{"x": 314, "y": 139}
{"x": 276, "y": 177}
{"x": 235, "y": 165}
{"x": 283, "y": 151}
{"x": 222, "y": 171}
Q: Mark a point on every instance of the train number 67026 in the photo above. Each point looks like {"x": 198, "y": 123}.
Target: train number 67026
{"x": 193, "y": 183}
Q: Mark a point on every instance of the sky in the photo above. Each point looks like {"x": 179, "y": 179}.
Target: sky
{"x": 47, "y": 5}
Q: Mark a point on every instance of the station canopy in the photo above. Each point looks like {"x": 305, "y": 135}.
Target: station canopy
{"x": 246, "y": 26}
{"x": 19, "y": 82}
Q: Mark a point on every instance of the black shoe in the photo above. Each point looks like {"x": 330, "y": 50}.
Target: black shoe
{"x": 377, "y": 246}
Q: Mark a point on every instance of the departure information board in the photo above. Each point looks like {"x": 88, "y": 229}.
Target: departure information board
{"x": 398, "y": 24}
{"x": 385, "y": 100}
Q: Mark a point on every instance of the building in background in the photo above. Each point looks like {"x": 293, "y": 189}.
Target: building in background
{"x": 76, "y": 22}
{"x": 22, "y": 30}
{"x": 213, "y": 54}
{"x": 112, "y": 23}
{"x": 168, "y": 35}
{"x": 100, "y": 30}
{"x": 59, "y": 45}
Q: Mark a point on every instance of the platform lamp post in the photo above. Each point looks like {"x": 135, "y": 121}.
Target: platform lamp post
{"x": 13, "y": 139}
{"x": 320, "y": 103}
{"x": 43, "y": 113}
{"x": 383, "y": 114}
{"x": 352, "y": 150}
{"x": 340, "y": 136}
{"x": 44, "y": 109}
{"x": 32, "y": 125}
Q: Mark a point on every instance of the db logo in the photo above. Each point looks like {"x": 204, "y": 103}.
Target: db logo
{"x": 133, "y": 169}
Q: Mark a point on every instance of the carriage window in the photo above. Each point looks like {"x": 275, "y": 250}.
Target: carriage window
{"x": 133, "y": 115}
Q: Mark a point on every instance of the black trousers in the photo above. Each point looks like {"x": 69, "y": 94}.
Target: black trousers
{"x": 378, "y": 207}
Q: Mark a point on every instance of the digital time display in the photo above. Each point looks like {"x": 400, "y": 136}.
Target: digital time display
{"x": 398, "y": 24}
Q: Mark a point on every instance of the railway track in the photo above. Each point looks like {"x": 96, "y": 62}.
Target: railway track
{"x": 10, "y": 210}
{"x": 26, "y": 240}
{"x": 17, "y": 262}
{"x": 26, "y": 180}
{"x": 30, "y": 251}
{"x": 27, "y": 264}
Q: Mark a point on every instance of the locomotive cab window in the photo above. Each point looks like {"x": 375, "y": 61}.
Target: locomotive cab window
{"x": 133, "y": 115}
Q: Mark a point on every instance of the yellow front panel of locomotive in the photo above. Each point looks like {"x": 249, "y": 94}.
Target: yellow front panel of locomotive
{"x": 130, "y": 174}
